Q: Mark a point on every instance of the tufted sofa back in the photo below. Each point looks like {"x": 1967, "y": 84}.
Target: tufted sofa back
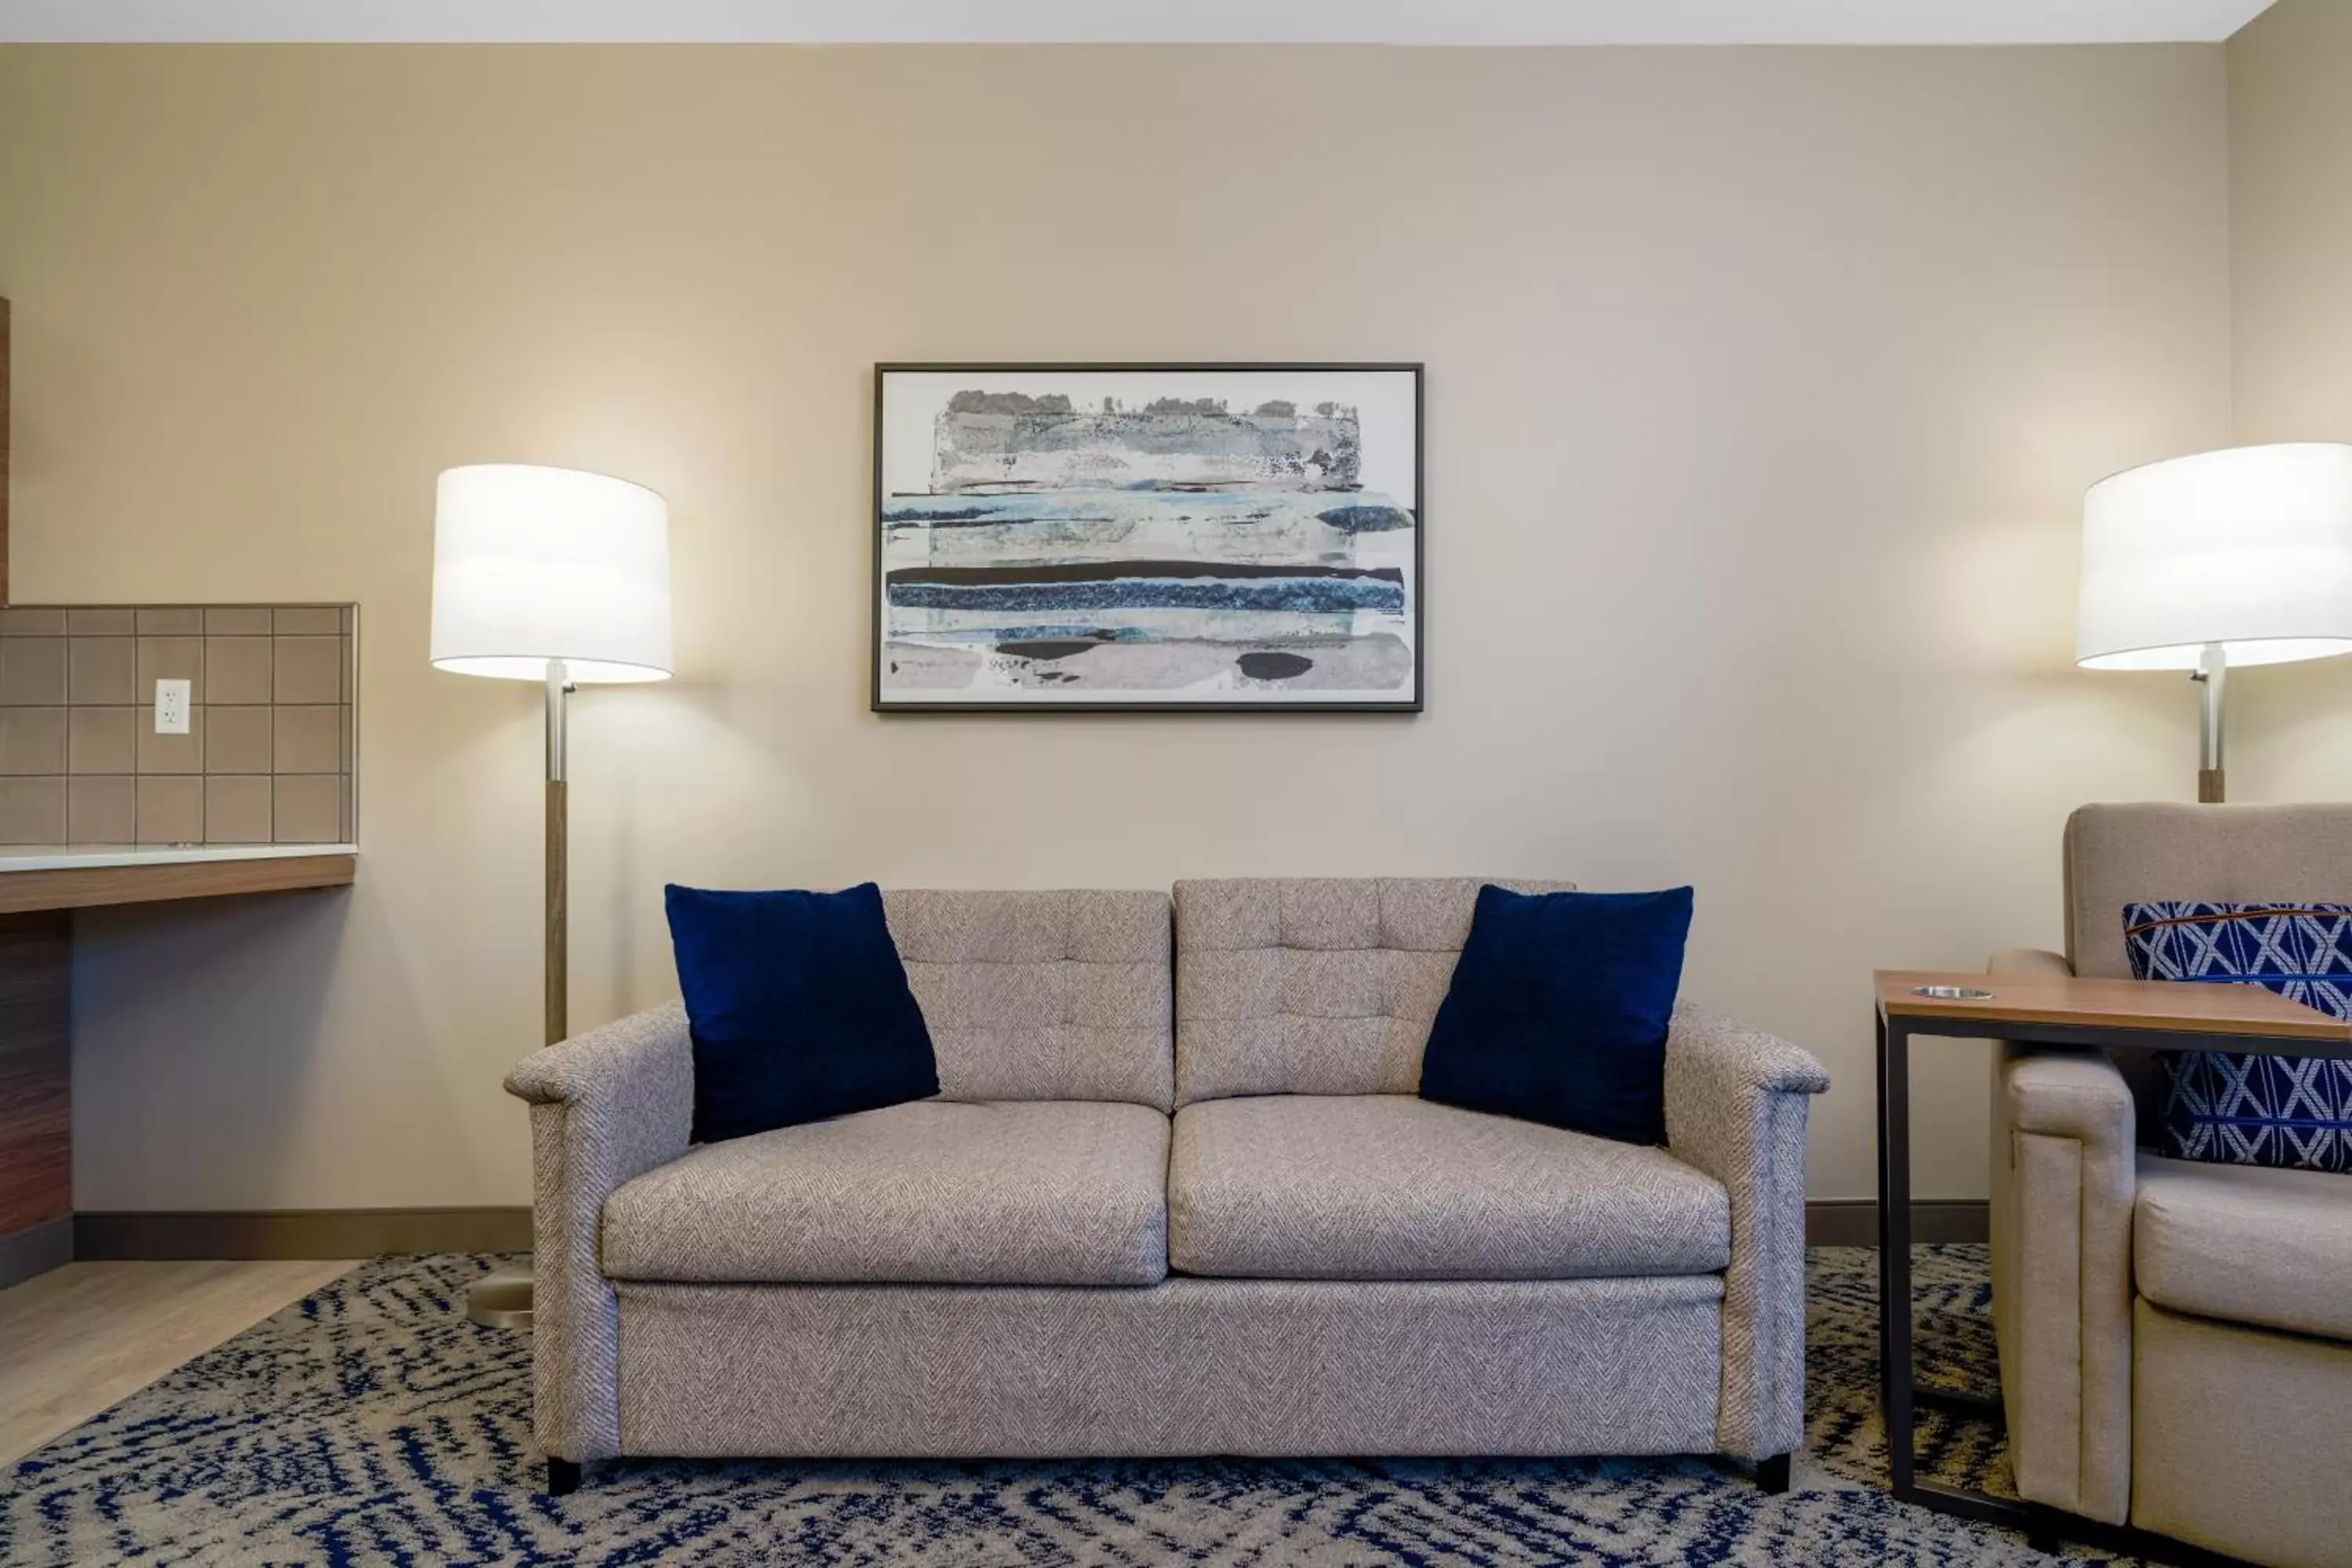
{"x": 1042, "y": 996}
{"x": 1315, "y": 985}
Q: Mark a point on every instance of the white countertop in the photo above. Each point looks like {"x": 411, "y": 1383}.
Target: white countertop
{"x": 75, "y": 856}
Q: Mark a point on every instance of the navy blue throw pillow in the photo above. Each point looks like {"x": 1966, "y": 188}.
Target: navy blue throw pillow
{"x": 2228, "y": 1108}
{"x": 1558, "y": 1011}
{"x": 799, "y": 1008}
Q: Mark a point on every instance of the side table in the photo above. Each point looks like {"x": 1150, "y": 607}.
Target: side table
{"x": 2109, "y": 1014}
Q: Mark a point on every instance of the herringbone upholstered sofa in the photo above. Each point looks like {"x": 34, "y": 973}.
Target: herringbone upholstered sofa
{"x": 1173, "y": 1198}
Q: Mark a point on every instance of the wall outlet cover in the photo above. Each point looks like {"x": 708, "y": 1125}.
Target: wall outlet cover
{"x": 171, "y": 707}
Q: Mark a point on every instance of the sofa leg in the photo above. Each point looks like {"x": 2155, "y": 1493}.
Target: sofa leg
{"x": 1772, "y": 1475}
{"x": 562, "y": 1476}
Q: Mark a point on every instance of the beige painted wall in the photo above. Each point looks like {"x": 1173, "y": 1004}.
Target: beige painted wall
{"x": 1763, "y": 386}
{"x": 2291, "y": 296}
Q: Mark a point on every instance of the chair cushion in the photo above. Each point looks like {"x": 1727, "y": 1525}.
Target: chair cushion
{"x": 1016, "y": 1193}
{"x": 1559, "y": 1009}
{"x": 1382, "y": 1186}
{"x": 2245, "y": 1244}
{"x": 798, "y": 1006}
{"x": 2232, "y": 1107}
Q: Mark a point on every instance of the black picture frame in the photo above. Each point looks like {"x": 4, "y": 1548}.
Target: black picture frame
{"x": 884, "y": 370}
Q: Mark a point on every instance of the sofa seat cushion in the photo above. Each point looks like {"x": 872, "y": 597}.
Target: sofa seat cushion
{"x": 1026, "y": 1193}
{"x": 1385, "y": 1186}
{"x": 2245, "y": 1244}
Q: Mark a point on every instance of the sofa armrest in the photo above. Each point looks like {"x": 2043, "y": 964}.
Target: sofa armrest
{"x": 605, "y": 1106}
{"x": 1736, "y": 1105}
{"x": 2063, "y": 1180}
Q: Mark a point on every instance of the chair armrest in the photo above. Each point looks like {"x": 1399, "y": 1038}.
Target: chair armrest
{"x": 2064, "y": 1177}
{"x": 606, "y": 1107}
{"x": 1736, "y": 1106}
{"x": 2037, "y": 961}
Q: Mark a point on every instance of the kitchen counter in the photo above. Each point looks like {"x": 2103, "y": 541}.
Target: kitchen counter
{"x": 62, "y": 857}
{"x": 40, "y": 885}
{"x": 34, "y": 877}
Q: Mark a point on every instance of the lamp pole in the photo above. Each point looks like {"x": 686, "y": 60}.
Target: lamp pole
{"x": 558, "y": 976}
{"x": 2212, "y": 676}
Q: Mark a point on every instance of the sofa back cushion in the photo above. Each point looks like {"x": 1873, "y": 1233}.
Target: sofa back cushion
{"x": 1313, "y": 986}
{"x": 1042, "y": 996}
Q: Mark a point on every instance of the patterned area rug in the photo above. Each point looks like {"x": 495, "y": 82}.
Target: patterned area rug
{"x": 372, "y": 1424}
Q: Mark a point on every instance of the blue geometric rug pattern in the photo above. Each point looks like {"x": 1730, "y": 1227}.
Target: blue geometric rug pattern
{"x": 372, "y": 1424}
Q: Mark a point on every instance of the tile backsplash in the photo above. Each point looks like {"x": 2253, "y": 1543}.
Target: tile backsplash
{"x": 268, "y": 755}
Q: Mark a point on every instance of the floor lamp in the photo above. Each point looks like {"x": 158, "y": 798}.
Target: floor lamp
{"x": 560, "y": 577}
{"x": 2215, "y": 562}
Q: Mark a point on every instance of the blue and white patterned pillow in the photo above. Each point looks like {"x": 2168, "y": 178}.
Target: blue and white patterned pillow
{"x": 2292, "y": 1113}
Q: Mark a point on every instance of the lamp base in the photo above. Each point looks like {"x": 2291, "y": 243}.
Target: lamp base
{"x": 500, "y": 1300}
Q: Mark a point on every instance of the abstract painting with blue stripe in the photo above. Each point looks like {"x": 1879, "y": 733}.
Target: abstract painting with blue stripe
{"x": 1204, "y": 537}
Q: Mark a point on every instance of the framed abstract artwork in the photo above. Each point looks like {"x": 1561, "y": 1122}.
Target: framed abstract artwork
{"x": 1132, "y": 537}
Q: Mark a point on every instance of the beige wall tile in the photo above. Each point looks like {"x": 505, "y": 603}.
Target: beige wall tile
{"x": 183, "y": 621}
{"x": 32, "y": 623}
{"x": 237, "y": 620}
{"x": 310, "y": 740}
{"x": 32, "y": 670}
{"x": 308, "y": 808}
{"x": 236, "y": 669}
{"x": 106, "y": 622}
{"x": 102, "y": 810}
{"x": 32, "y": 739}
{"x": 310, "y": 670}
{"x": 172, "y": 810}
{"x": 33, "y": 811}
{"x": 310, "y": 619}
{"x": 171, "y": 754}
{"x": 236, "y": 740}
{"x": 170, "y": 658}
{"x": 103, "y": 670}
{"x": 101, "y": 740}
{"x": 237, "y": 809}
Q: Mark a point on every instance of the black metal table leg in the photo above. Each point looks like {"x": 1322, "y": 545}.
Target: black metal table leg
{"x": 1895, "y": 1251}
{"x": 1899, "y": 1396}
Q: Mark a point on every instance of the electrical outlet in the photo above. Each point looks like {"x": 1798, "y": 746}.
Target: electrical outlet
{"x": 171, "y": 707}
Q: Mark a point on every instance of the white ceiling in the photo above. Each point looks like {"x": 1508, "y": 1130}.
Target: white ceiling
{"x": 1131, "y": 21}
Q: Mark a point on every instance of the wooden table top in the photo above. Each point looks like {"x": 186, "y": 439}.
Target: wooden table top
{"x": 2158, "y": 1005}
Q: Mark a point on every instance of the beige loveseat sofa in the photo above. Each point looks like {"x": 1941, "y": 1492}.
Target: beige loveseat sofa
{"x": 2175, "y": 1338}
{"x": 1173, "y": 1198}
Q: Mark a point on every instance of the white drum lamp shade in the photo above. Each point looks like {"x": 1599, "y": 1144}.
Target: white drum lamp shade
{"x": 2249, "y": 550}
{"x": 533, "y": 564}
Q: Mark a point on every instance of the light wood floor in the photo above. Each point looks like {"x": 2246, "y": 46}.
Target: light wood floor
{"x": 77, "y": 1338}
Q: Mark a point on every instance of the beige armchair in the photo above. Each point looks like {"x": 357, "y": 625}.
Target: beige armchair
{"x": 2175, "y": 1339}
